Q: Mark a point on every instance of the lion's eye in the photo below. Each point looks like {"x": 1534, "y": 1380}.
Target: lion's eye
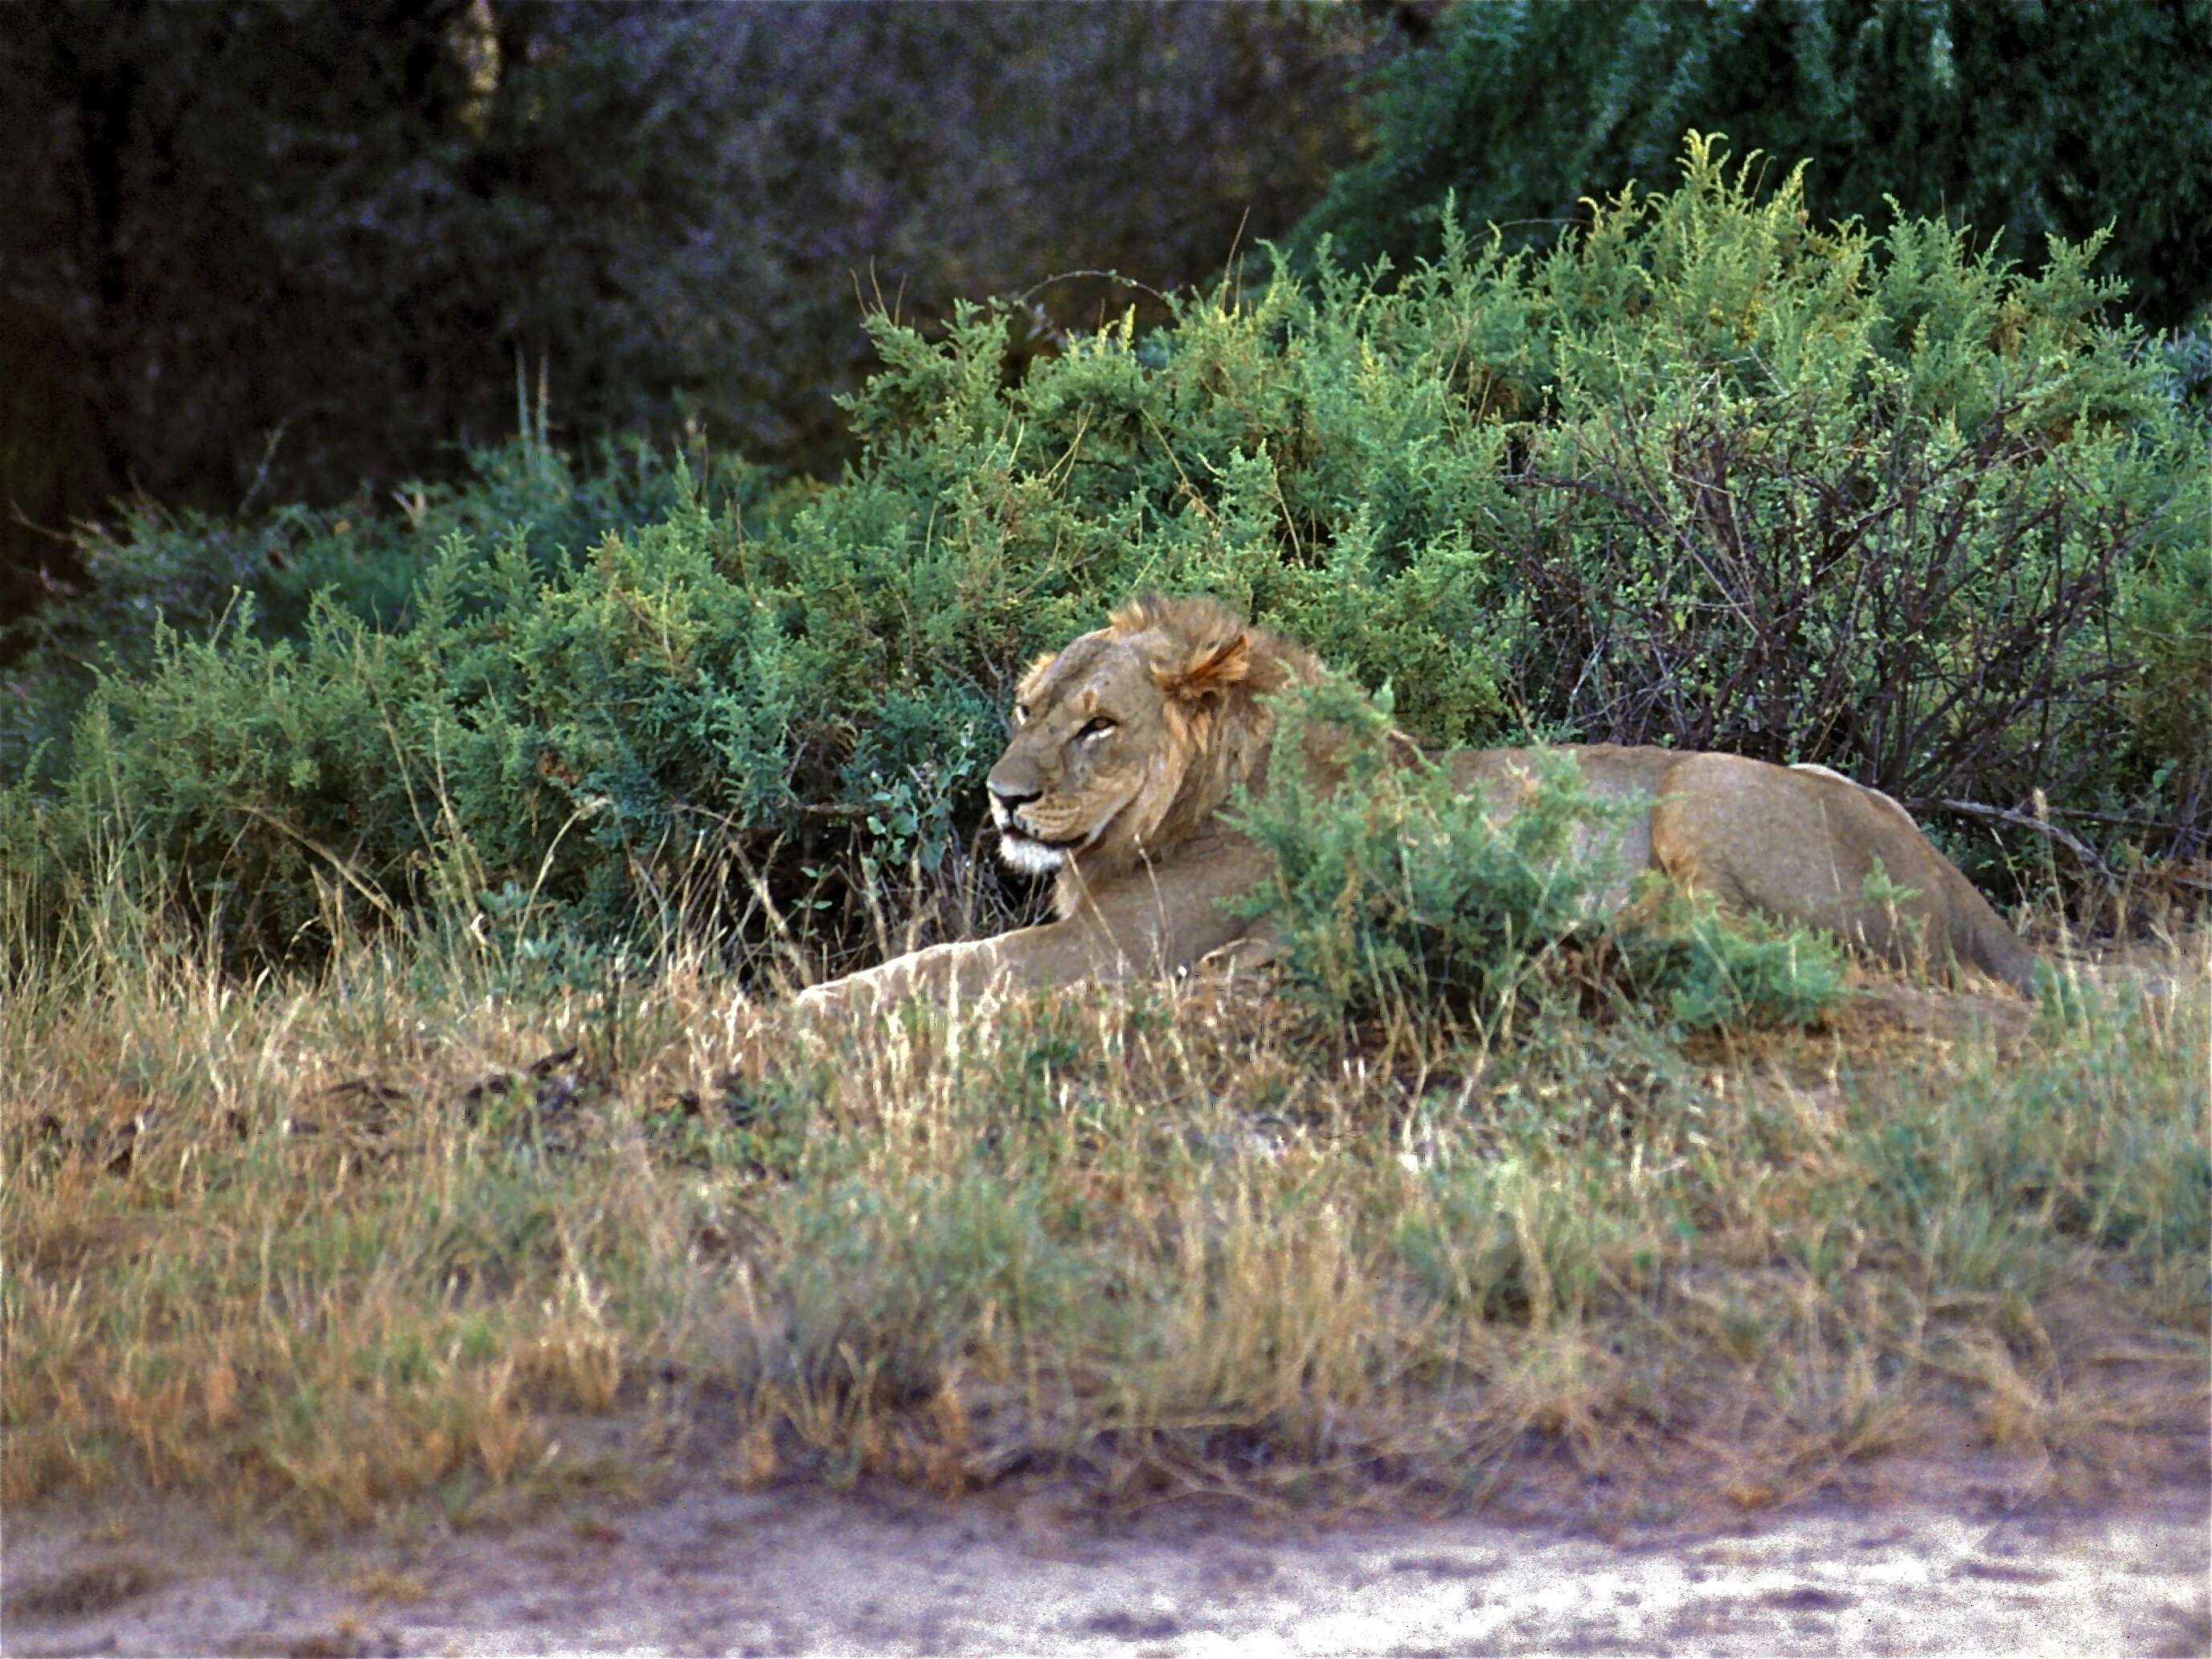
{"x": 1021, "y": 713}
{"x": 1097, "y": 728}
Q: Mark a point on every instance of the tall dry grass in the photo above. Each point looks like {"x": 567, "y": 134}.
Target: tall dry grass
{"x": 427, "y": 1228}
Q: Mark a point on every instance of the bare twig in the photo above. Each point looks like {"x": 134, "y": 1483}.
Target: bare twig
{"x": 2073, "y": 844}
{"x": 261, "y": 472}
{"x": 343, "y": 867}
{"x": 1036, "y": 288}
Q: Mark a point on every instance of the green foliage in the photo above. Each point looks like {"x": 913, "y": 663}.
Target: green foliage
{"x": 2010, "y": 1155}
{"x": 1709, "y": 971}
{"x": 902, "y": 1273}
{"x": 204, "y": 576}
{"x": 1393, "y": 887}
{"x": 2042, "y": 121}
{"x": 1704, "y": 473}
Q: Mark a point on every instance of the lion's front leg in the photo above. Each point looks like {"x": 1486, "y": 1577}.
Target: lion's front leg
{"x": 1145, "y": 923}
{"x": 1044, "y": 957}
{"x": 966, "y": 970}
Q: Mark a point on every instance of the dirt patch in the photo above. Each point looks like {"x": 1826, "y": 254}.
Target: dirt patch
{"x": 81, "y": 1591}
{"x": 705, "y": 1567}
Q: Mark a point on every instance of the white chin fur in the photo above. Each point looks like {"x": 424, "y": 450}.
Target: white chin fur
{"x": 1031, "y": 857}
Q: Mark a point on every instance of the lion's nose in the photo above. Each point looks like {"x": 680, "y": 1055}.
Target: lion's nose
{"x": 1011, "y": 801}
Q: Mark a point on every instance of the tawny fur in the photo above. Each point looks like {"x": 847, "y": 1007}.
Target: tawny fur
{"x": 1128, "y": 742}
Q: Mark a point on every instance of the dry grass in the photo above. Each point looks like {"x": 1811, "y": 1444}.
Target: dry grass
{"x": 415, "y": 1233}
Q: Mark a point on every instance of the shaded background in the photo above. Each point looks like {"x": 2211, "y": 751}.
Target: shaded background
{"x": 270, "y": 250}
{"x": 316, "y": 238}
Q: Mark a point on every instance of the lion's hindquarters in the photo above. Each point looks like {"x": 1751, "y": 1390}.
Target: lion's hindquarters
{"x": 1758, "y": 837}
{"x": 1810, "y": 845}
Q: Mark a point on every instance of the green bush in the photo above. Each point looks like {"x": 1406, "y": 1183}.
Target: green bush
{"x": 1704, "y": 473}
{"x": 1391, "y": 889}
{"x": 2039, "y": 121}
{"x": 203, "y": 575}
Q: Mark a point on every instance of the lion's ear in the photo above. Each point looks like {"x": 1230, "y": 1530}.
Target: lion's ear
{"x": 1209, "y": 670}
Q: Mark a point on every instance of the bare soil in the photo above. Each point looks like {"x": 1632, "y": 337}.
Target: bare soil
{"x": 704, "y": 1566}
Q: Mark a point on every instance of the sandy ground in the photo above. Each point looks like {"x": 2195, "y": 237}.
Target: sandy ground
{"x": 710, "y": 1569}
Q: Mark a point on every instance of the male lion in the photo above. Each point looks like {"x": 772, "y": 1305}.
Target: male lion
{"x": 1126, "y": 746}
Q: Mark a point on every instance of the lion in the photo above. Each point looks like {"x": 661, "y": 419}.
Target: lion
{"x": 1127, "y": 744}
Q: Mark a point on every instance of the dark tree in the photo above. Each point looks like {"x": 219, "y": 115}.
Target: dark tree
{"x": 280, "y": 249}
{"x": 2063, "y": 117}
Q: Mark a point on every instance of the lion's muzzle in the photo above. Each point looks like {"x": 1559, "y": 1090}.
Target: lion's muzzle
{"x": 1006, "y": 803}
{"x": 1019, "y": 845}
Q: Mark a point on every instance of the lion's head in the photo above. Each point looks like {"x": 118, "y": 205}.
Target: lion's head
{"x": 1128, "y": 740}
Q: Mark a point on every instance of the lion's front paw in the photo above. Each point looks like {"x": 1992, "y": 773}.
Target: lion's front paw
{"x": 823, "y": 1001}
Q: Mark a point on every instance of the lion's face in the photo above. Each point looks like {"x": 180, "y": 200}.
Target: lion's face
{"x": 1090, "y": 735}
{"x": 1118, "y": 740}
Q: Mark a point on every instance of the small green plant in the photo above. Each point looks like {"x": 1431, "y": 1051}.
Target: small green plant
{"x": 1394, "y": 886}
{"x": 1707, "y": 970}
